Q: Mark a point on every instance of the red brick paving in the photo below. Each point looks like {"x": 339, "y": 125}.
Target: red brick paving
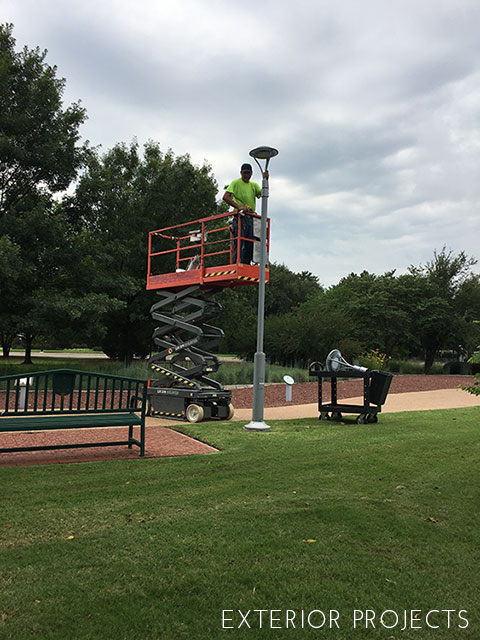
{"x": 159, "y": 442}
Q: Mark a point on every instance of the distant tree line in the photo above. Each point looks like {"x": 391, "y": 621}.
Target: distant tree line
{"x": 73, "y": 263}
{"x": 429, "y": 309}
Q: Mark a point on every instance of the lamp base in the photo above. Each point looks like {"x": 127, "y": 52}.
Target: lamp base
{"x": 256, "y": 426}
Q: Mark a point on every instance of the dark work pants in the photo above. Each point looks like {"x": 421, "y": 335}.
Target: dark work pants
{"x": 246, "y": 231}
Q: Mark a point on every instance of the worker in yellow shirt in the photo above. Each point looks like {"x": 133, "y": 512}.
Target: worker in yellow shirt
{"x": 241, "y": 194}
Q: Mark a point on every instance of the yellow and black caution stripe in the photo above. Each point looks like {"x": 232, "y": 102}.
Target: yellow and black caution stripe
{"x": 168, "y": 373}
{"x": 167, "y": 413}
{"x": 220, "y": 273}
{"x": 249, "y": 279}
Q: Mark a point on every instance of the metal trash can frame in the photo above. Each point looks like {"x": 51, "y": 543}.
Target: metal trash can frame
{"x": 376, "y": 385}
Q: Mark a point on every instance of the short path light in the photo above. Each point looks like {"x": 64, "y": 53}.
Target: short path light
{"x": 288, "y": 387}
{"x": 257, "y": 423}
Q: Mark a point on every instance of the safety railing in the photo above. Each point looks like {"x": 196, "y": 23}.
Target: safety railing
{"x": 206, "y": 242}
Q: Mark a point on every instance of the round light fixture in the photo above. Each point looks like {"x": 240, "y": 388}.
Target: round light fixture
{"x": 264, "y": 153}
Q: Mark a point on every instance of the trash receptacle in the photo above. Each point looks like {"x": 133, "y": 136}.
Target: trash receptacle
{"x": 379, "y": 386}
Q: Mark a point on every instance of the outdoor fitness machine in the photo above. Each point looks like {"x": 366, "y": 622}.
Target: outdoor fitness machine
{"x": 188, "y": 264}
{"x": 376, "y": 385}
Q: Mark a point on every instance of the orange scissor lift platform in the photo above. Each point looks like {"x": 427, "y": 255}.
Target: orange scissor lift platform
{"x": 188, "y": 264}
{"x": 202, "y": 253}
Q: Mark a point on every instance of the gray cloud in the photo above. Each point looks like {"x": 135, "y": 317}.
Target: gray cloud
{"x": 374, "y": 106}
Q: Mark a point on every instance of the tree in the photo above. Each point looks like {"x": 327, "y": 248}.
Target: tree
{"x": 467, "y": 306}
{"x": 371, "y": 302}
{"x": 428, "y": 309}
{"x": 39, "y": 156}
{"x": 120, "y": 198}
{"x": 308, "y": 332}
{"x": 38, "y": 137}
{"x": 438, "y": 323}
{"x": 446, "y": 271}
{"x": 474, "y": 359}
{"x": 285, "y": 291}
{"x": 10, "y": 263}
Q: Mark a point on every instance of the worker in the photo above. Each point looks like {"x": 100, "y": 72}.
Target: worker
{"x": 241, "y": 195}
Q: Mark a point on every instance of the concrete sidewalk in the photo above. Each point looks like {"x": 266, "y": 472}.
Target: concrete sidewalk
{"x": 396, "y": 402}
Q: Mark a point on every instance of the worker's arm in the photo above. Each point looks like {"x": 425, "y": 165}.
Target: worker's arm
{"x": 227, "y": 197}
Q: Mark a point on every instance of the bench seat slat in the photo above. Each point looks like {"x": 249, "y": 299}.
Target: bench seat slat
{"x": 69, "y": 421}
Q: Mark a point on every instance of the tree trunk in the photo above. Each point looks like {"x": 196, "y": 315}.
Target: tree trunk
{"x": 7, "y": 340}
{"x": 429, "y": 359}
{"x": 28, "y": 349}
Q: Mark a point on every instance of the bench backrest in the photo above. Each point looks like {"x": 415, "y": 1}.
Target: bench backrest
{"x": 70, "y": 391}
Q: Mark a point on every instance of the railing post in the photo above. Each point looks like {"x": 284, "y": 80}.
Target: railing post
{"x": 202, "y": 247}
{"x": 149, "y": 257}
{"x": 239, "y": 234}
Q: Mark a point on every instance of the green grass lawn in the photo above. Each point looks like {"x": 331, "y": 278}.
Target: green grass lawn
{"x": 313, "y": 515}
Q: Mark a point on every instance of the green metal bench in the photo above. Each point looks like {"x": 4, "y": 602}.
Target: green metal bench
{"x": 68, "y": 399}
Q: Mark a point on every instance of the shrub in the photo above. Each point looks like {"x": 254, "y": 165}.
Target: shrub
{"x": 374, "y": 359}
{"x": 475, "y": 388}
{"x": 457, "y": 368}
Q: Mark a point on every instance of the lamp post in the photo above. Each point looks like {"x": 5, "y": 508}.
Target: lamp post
{"x": 257, "y": 423}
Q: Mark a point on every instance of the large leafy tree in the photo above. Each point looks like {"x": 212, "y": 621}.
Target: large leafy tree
{"x": 122, "y": 196}
{"x": 377, "y": 320}
{"x": 38, "y": 136}
{"x": 39, "y": 156}
{"x": 442, "y": 319}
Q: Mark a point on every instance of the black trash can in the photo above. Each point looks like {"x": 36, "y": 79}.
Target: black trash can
{"x": 379, "y": 385}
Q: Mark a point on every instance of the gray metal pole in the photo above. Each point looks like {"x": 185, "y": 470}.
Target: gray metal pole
{"x": 257, "y": 423}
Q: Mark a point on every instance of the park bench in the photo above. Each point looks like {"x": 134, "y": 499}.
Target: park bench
{"x": 68, "y": 399}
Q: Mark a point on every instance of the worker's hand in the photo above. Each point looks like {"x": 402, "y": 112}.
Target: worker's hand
{"x": 266, "y": 175}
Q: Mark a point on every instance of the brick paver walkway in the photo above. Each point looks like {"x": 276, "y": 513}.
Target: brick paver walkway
{"x": 160, "y": 442}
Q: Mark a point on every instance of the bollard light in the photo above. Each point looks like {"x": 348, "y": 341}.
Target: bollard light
{"x": 288, "y": 387}
{"x": 23, "y": 383}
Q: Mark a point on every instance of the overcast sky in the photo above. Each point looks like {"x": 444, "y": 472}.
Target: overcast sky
{"x": 374, "y": 106}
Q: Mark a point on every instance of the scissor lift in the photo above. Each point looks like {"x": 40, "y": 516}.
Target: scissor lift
{"x": 198, "y": 266}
